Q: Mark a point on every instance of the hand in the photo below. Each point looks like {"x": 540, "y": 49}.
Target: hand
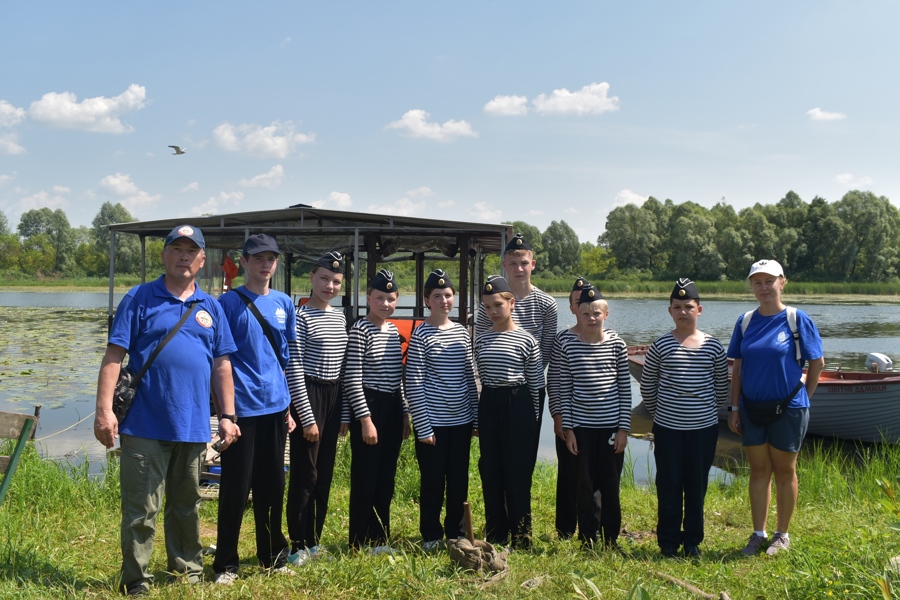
{"x": 429, "y": 440}
{"x": 571, "y": 444}
{"x": 406, "y": 429}
{"x": 229, "y": 432}
{"x": 557, "y": 427}
{"x": 311, "y": 433}
{"x": 621, "y": 441}
{"x": 106, "y": 428}
{"x": 734, "y": 422}
{"x": 291, "y": 423}
{"x": 343, "y": 429}
{"x": 369, "y": 433}
{"x": 474, "y": 432}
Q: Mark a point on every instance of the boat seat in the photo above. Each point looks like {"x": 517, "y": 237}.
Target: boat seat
{"x": 17, "y": 427}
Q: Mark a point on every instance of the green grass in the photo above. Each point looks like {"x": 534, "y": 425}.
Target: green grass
{"x": 59, "y": 538}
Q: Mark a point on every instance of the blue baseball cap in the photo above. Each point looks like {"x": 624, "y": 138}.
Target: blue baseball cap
{"x": 261, "y": 243}
{"x": 189, "y": 232}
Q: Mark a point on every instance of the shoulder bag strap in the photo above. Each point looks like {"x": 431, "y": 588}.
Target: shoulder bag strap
{"x": 262, "y": 322}
{"x": 165, "y": 341}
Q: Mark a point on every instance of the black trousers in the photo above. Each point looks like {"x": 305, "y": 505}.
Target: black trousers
{"x": 506, "y": 424}
{"x": 374, "y": 468}
{"x": 683, "y": 461}
{"x": 597, "y": 499}
{"x": 254, "y": 462}
{"x": 444, "y": 464}
{"x": 567, "y": 489}
{"x": 312, "y": 465}
{"x": 540, "y": 422}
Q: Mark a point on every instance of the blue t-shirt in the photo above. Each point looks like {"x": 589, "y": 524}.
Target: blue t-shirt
{"x": 260, "y": 387}
{"x": 769, "y": 369}
{"x": 172, "y": 400}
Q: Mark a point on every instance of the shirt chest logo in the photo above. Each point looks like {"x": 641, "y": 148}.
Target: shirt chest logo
{"x": 205, "y": 319}
{"x": 280, "y": 315}
{"x": 782, "y": 337}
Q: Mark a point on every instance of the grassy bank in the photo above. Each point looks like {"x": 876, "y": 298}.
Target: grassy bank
{"x": 60, "y": 539}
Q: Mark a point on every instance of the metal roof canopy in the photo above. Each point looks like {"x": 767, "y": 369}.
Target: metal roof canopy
{"x": 305, "y": 233}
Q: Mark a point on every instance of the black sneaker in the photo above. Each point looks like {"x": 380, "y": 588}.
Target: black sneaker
{"x": 669, "y": 551}
{"x": 691, "y": 551}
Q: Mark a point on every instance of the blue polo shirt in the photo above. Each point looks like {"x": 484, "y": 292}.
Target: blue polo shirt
{"x": 172, "y": 400}
{"x": 769, "y": 369}
{"x": 260, "y": 386}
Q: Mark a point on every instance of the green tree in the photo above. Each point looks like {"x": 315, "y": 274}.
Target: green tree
{"x": 563, "y": 248}
{"x": 631, "y": 236}
{"x": 55, "y": 226}
{"x": 4, "y": 224}
{"x": 693, "y": 243}
{"x": 128, "y": 247}
{"x": 596, "y": 261}
{"x": 872, "y": 226}
{"x": 10, "y": 248}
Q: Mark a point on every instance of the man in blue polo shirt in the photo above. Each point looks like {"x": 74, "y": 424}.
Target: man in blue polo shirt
{"x": 164, "y": 436}
{"x": 256, "y": 462}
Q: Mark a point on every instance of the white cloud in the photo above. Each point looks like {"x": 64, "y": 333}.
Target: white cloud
{"x": 335, "y": 201}
{"x": 191, "y": 187}
{"x": 535, "y": 212}
{"x": 481, "y": 211}
{"x": 9, "y": 114}
{"x": 817, "y": 114}
{"x": 133, "y": 198}
{"x": 420, "y": 192}
{"x": 61, "y": 189}
{"x": 284, "y": 43}
{"x": 404, "y": 207}
{"x": 98, "y": 114}
{"x": 270, "y": 180}
{"x": 415, "y": 124}
{"x": 4, "y": 179}
{"x": 626, "y": 196}
{"x": 217, "y": 203}
{"x": 42, "y": 199}
{"x": 9, "y": 144}
{"x": 507, "y": 106}
{"x": 277, "y": 140}
{"x": 590, "y": 100}
{"x": 571, "y": 211}
{"x": 847, "y": 180}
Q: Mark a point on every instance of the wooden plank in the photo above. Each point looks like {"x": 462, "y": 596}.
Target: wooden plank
{"x": 11, "y": 424}
{"x": 4, "y": 464}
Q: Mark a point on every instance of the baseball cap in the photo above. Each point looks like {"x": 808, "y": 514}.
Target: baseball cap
{"x": 260, "y": 243}
{"x": 186, "y": 231}
{"x": 770, "y": 267}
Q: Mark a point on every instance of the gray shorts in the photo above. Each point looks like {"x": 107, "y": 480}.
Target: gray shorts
{"x": 785, "y": 434}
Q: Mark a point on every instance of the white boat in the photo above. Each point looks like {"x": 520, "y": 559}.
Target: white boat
{"x": 850, "y": 405}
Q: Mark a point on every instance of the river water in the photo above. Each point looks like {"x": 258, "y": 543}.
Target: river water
{"x": 51, "y": 344}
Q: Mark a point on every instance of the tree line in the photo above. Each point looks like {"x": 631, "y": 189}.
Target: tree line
{"x": 856, "y": 238}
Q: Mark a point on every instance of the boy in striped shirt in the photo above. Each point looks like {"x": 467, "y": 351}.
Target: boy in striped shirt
{"x": 684, "y": 380}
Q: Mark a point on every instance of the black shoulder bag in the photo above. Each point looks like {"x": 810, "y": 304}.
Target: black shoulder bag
{"x": 764, "y": 413}
{"x": 262, "y": 322}
{"x": 126, "y": 386}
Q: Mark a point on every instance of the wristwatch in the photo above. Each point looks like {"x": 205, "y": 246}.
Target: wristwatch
{"x": 733, "y": 408}
{"x": 232, "y": 418}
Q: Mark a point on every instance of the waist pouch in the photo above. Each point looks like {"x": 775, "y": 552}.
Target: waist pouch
{"x": 766, "y": 412}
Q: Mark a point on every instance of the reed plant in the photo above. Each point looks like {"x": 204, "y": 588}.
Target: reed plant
{"x": 59, "y": 538}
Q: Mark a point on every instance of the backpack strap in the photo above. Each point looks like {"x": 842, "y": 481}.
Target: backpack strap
{"x": 791, "y": 313}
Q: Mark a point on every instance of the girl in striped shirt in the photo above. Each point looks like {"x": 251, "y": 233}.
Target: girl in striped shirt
{"x": 685, "y": 379}
{"x": 314, "y": 372}
{"x": 512, "y": 381}
{"x": 595, "y": 395}
{"x": 379, "y": 421}
{"x": 443, "y": 399}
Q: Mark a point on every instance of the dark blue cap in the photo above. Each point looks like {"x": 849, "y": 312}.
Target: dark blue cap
{"x": 494, "y": 285}
{"x": 189, "y": 232}
{"x": 260, "y": 243}
{"x": 333, "y": 261}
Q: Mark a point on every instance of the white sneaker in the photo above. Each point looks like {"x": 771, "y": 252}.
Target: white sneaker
{"x": 225, "y": 578}
{"x": 432, "y": 546}
{"x": 284, "y": 570}
{"x": 380, "y": 550}
{"x": 298, "y": 558}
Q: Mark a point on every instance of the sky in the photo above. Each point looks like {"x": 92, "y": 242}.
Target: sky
{"x": 484, "y": 111}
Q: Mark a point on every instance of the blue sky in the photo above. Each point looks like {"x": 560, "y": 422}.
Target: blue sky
{"x": 481, "y": 111}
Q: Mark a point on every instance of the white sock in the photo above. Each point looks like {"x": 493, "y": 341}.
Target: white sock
{"x": 761, "y": 533}
{"x": 786, "y": 536}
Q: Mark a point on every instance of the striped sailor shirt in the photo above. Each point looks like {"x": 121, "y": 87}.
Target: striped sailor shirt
{"x": 553, "y": 401}
{"x": 440, "y": 379}
{"x": 684, "y": 387}
{"x": 510, "y": 359}
{"x": 374, "y": 361}
{"x": 536, "y": 313}
{"x": 317, "y": 352}
{"x": 594, "y": 388}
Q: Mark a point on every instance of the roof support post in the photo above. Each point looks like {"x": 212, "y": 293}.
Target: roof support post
{"x": 112, "y": 276}
{"x": 462, "y": 244}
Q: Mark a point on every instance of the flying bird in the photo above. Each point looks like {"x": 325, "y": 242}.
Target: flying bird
{"x": 178, "y": 150}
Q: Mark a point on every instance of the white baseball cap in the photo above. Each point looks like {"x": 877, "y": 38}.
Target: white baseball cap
{"x": 770, "y": 267}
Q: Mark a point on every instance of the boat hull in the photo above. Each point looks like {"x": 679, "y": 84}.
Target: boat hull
{"x": 847, "y": 405}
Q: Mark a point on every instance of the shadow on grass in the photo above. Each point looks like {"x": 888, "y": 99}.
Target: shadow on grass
{"x": 27, "y": 566}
